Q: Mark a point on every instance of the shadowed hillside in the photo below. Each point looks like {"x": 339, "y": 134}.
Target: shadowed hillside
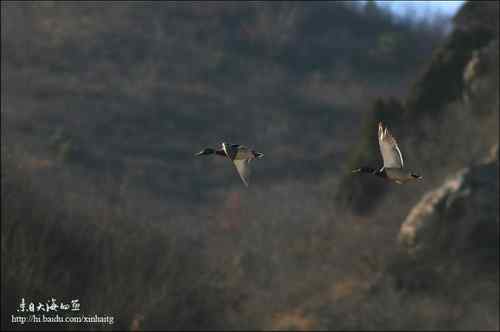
{"x": 136, "y": 89}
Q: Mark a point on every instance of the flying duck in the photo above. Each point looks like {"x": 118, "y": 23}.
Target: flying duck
{"x": 240, "y": 155}
{"x": 393, "y": 160}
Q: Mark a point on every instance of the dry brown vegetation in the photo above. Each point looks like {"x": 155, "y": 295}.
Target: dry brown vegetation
{"x": 103, "y": 106}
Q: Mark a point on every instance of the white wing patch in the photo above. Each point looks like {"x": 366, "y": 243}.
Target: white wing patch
{"x": 389, "y": 149}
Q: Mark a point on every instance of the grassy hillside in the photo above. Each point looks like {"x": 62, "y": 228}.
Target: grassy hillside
{"x": 54, "y": 245}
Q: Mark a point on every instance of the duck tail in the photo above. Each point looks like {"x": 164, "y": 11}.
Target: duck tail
{"x": 258, "y": 155}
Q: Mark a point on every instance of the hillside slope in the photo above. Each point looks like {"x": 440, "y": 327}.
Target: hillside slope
{"x": 134, "y": 90}
{"x": 103, "y": 107}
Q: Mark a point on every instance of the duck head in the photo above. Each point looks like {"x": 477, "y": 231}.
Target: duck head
{"x": 205, "y": 152}
{"x": 416, "y": 176}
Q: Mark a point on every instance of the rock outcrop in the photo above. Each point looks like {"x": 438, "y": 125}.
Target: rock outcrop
{"x": 459, "y": 217}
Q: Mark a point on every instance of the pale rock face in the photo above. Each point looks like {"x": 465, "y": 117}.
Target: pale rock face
{"x": 422, "y": 218}
{"x": 458, "y": 216}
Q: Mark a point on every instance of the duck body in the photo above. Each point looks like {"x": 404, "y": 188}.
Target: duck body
{"x": 240, "y": 152}
{"x": 240, "y": 155}
{"x": 400, "y": 175}
{"x": 393, "y": 169}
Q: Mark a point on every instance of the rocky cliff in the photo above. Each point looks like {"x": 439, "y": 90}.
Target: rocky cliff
{"x": 460, "y": 217}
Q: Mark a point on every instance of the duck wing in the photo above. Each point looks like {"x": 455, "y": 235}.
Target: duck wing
{"x": 389, "y": 148}
{"x": 243, "y": 168}
{"x": 241, "y": 157}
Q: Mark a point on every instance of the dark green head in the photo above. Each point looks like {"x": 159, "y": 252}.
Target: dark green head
{"x": 205, "y": 152}
{"x": 416, "y": 176}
